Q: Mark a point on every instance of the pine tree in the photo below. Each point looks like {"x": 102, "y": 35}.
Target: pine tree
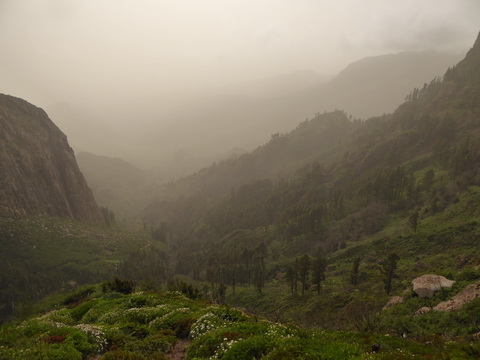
{"x": 354, "y": 272}
{"x": 387, "y": 268}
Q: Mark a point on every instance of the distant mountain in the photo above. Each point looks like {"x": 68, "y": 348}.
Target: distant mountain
{"x": 376, "y": 85}
{"x": 39, "y": 174}
{"x": 311, "y": 139}
{"x": 180, "y": 135}
{"x": 347, "y": 154}
{"x": 277, "y": 86}
{"x": 115, "y": 182}
{"x": 366, "y": 88}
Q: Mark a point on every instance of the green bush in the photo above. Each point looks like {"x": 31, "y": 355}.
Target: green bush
{"x": 78, "y": 295}
{"x": 254, "y": 347}
{"x": 122, "y": 286}
{"x": 79, "y": 311}
{"x": 151, "y": 344}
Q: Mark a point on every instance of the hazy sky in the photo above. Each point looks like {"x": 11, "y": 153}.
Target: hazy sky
{"x": 56, "y": 50}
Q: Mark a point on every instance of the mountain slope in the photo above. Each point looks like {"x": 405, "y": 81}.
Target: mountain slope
{"x": 405, "y": 184}
{"x": 369, "y": 87}
{"x": 39, "y": 174}
{"x": 115, "y": 183}
{"x": 182, "y": 135}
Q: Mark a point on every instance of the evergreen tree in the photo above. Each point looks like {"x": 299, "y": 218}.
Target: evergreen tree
{"x": 387, "y": 268}
{"x": 413, "y": 221}
{"x": 354, "y": 272}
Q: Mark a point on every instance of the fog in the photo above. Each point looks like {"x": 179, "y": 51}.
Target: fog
{"x": 114, "y": 73}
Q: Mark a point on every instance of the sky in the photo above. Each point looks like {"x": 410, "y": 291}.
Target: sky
{"x": 111, "y": 50}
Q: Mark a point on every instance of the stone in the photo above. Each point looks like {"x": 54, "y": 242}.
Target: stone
{"x": 468, "y": 294}
{"x": 426, "y": 285}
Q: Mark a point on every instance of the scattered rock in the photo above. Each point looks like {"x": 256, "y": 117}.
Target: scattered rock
{"x": 426, "y": 285}
{"x": 393, "y": 301}
{"x": 468, "y": 294}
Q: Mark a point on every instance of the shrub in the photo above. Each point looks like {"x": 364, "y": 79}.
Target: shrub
{"x": 151, "y": 344}
{"x": 78, "y": 295}
{"x": 183, "y": 326}
{"x": 254, "y": 347}
{"x": 122, "y": 355}
{"x": 119, "y": 285}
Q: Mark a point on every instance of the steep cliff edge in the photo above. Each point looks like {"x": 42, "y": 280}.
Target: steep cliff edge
{"x": 38, "y": 171}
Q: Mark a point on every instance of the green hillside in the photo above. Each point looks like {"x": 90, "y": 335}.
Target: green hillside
{"x": 109, "y": 322}
{"x": 283, "y": 226}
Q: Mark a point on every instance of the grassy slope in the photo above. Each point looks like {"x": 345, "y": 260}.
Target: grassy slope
{"x": 147, "y": 325}
{"x": 446, "y": 243}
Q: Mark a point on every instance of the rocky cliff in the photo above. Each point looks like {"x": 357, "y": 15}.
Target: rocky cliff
{"x": 38, "y": 171}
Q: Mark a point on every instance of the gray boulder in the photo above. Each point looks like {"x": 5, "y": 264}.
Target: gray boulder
{"x": 426, "y": 285}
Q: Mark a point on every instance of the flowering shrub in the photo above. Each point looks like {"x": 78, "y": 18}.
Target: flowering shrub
{"x": 206, "y": 323}
{"x": 95, "y": 335}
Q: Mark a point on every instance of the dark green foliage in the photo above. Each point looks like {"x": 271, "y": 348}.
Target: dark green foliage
{"x": 354, "y": 273}
{"x": 255, "y": 347}
{"x": 189, "y": 290}
{"x": 122, "y": 286}
{"x": 413, "y": 221}
{"x": 78, "y": 295}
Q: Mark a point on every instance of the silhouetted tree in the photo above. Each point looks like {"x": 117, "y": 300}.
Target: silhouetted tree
{"x": 387, "y": 268}
{"x": 355, "y": 270}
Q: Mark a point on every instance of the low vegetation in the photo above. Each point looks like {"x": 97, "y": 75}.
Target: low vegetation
{"x": 102, "y": 322}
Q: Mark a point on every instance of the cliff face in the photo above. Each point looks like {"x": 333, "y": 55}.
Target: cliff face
{"x": 38, "y": 171}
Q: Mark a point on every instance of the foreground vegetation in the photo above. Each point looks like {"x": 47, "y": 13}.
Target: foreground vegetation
{"x": 107, "y": 322}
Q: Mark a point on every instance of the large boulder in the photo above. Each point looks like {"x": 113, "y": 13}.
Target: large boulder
{"x": 468, "y": 294}
{"x": 426, "y": 285}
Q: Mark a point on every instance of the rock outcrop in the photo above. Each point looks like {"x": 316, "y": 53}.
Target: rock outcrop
{"x": 468, "y": 294}
{"x": 426, "y": 285}
{"x": 38, "y": 171}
